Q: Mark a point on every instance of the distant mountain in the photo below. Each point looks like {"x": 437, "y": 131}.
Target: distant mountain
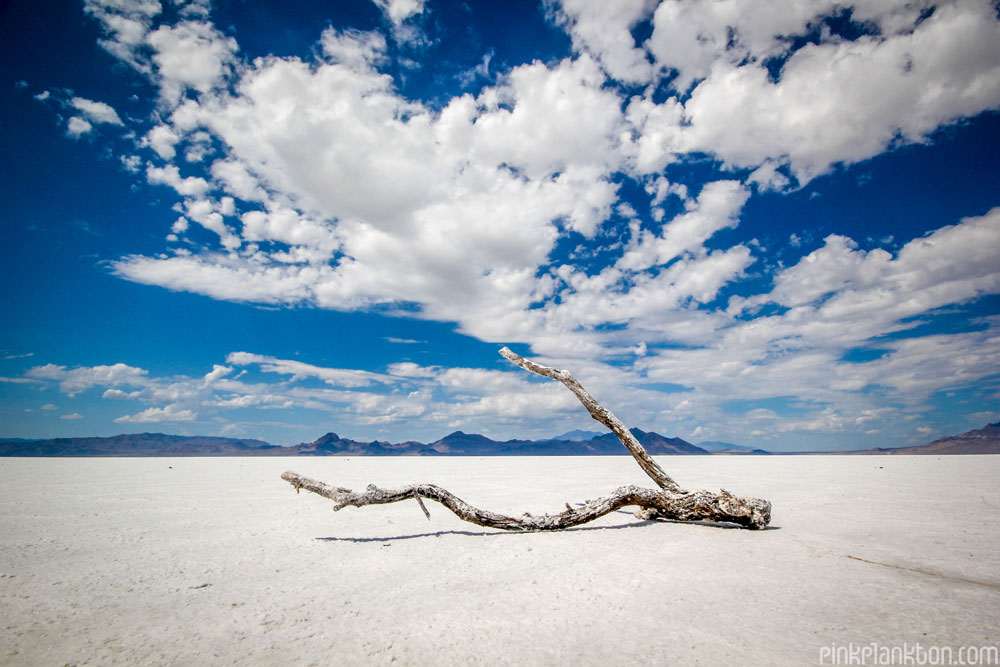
{"x": 981, "y": 441}
{"x": 139, "y": 444}
{"x": 457, "y": 443}
{"x": 653, "y": 442}
{"x": 717, "y": 447}
{"x": 578, "y": 435}
{"x": 984, "y": 440}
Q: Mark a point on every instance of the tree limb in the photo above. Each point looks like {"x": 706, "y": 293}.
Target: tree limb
{"x": 603, "y": 415}
{"x": 670, "y": 501}
{"x": 655, "y": 503}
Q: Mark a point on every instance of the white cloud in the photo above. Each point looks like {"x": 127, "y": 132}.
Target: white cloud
{"x": 226, "y": 277}
{"x": 445, "y": 223}
{"x": 352, "y": 49}
{"x": 192, "y": 186}
{"x": 326, "y": 186}
{"x": 951, "y": 265}
{"x": 191, "y": 54}
{"x": 400, "y": 10}
{"x": 118, "y": 393}
{"x": 162, "y": 139}
{"x": 717, "y": 207}
{"x": 10, "y": 380}
{"x": 96, "y": 112}
{"x": 77, "y": 127}
{"x": 131, "y": 163}
{"x": 71, "y": 417}
{"x": 604, "y": 30}
{"x": 404, "y": 25}
{"x": 76, "y": 380}
{"x": 840, "y": 298}
{"x": 218, "y": 371}
{"x": 836, "y": 101}
{"x": 339, "y": 377}
{"x": 125, "y": 24}
{"x": 170, "y": 413}
{"x": 194, "y": 8}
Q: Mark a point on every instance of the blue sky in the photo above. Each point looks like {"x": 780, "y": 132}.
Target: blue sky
{"x": 775, "y": 225}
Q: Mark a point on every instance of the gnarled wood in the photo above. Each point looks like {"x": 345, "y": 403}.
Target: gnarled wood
{"x": 670, "y": 501}
{"x": 694, "y": 506}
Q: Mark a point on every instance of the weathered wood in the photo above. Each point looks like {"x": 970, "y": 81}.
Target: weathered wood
{"x": 421, "y": 503}
{"x": 670, "y": 501}
{"x": 603, "y": 415}
{"x": 656, "y": 503}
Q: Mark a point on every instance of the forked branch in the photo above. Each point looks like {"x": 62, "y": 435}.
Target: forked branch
{"x": 670, "y": 501}
{"x": 696, "y": 506}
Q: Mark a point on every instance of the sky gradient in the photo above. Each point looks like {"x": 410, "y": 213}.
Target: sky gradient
{"x": 772, "y": 224}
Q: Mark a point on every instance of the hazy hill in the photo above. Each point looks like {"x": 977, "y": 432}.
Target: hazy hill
{"x": 981, "y": 441}
{"x": 653, "y": 442}
{"x": 578, "y": 435}
{"x": 718, "y": 447}
{"x": 139, "y": 444}
{"x": 984, "y": 440}
{"x": 457, "y": 443}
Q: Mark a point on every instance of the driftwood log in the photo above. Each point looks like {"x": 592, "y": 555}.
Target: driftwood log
{"x": 669, "y": 501}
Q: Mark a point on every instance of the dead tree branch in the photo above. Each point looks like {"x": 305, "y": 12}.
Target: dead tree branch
{"x": 670, "y": 501}
{"x": 696, "y": 506}
{"x": 603, "y": 415}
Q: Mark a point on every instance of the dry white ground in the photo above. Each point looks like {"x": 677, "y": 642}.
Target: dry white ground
{"x": 218, "y": 561}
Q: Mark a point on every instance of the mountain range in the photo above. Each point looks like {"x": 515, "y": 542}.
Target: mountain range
{"x": 984, "y": 440}
{"x": 573, "y": 443}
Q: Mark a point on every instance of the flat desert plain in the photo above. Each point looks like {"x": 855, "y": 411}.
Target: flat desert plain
{"x": 218, "y": 561}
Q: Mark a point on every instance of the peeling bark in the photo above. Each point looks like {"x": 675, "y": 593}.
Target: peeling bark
{"x": 670, "y": 501}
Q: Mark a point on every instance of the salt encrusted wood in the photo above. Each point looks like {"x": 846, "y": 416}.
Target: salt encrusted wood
{"x": 670, "y": 501}
{"x": 693, "y": 506}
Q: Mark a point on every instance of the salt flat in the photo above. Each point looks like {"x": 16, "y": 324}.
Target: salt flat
{"x": 216, "y": 561}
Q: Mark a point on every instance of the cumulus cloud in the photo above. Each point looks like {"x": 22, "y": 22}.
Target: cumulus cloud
{"x": 170, "y": 413}
{"x": 604, "y": 30}
{"x": 191, "y": 54}
{"x": 77, "y": 127}
{"x": 717, "y": 206}
{"x": 76, "y": 380}
{"x": 836, "y": 101}
{"x": 125, "y": 24}
{"x": 403, "y": 18}
{"x": 443, "y": 398}
{"x": 399, "y": 10}
{"x": 192, "y": 186}
{"x": 840, "y": 281}
{"x": 96, "y": 112}
{"x": 323, "y": 185}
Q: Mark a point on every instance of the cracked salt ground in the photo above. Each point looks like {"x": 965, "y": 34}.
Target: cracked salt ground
{"x": 102, "y": 563}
